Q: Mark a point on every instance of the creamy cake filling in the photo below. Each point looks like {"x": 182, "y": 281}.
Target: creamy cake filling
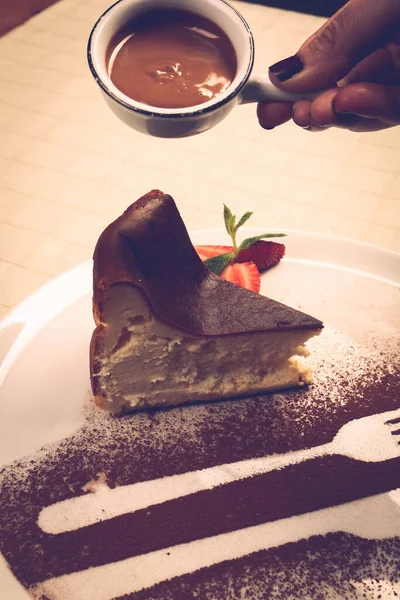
{"x": 145, "y": 360}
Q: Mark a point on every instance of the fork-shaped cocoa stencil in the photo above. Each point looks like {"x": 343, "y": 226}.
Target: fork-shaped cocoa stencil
{"x": 370, "y": 439}
{"x": 374, "y": 517}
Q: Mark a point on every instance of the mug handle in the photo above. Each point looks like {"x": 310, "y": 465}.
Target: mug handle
{"x": 260, "y": 89}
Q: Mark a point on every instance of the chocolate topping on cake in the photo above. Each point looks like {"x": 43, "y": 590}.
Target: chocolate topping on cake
{"x": 148, "y": 247}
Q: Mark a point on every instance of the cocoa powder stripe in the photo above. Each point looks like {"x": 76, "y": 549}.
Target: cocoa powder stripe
{"x": 150, "y": 445}
{"x": 320, "y": 567}
{"x": 299, "y": 489}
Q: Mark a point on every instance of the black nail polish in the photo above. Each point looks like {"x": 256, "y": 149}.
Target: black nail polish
{"x": 287, "y": 68}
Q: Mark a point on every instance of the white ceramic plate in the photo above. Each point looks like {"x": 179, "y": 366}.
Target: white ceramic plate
{"x": 44, "y": 342}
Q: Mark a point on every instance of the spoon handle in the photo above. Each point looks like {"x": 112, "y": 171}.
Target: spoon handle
{"x": 260, "y": 89}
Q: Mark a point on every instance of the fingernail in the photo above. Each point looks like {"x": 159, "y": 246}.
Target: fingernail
{"x": 287, "y": 68}
{"x": 338, "y": 112}
{"x": 318, "y": 125}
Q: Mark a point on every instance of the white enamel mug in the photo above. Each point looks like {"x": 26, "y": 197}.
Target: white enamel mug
{"x": 181, "y": 122}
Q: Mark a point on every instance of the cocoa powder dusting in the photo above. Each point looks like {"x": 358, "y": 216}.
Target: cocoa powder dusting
{"x": 335, "y": 567}
{"x": 350, "y": 382}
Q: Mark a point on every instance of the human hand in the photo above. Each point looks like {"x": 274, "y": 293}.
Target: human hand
{"x": 355, "y": 58}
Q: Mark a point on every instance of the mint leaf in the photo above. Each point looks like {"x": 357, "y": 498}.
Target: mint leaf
{"x": 250, "y": 241}
{"x": 243, "y": 219}
{"x": 228, "y": 218}
{"x": 217, "y": 264}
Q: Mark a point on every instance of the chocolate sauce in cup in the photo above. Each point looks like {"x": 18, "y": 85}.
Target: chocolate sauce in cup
{"x": 171, "y": 59}
{"x": 206, "y": 46}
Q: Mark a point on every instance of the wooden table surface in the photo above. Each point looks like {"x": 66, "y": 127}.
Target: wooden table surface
{"x": 68, "y": 166}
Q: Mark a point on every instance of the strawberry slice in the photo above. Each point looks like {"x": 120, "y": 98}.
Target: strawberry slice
{"x": 244, "y": 274}
{"x": 210, "y": 251}
{"x": 264, "y": 254}
{"x": 242, "y": 263}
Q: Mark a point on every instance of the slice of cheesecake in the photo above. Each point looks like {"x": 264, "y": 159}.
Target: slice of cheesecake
{"x": 169, "y": 331}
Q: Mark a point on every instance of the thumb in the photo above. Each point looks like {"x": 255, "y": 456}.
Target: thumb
{"x": 356, "y": 30}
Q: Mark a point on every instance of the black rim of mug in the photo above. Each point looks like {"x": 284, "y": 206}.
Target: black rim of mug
{"x": 150, "y": 113}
